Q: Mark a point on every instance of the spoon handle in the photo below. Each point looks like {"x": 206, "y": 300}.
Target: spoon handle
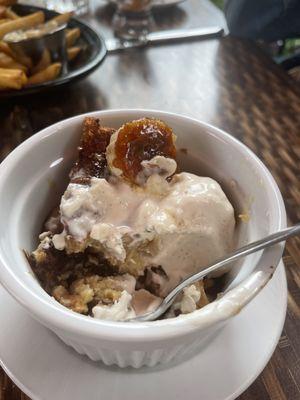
{"x": 235, "y": 255}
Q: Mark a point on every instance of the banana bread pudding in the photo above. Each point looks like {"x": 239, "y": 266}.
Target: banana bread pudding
{"x": 130, "y": 226}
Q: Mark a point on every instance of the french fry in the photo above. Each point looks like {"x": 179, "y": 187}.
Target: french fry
{"x": 4, "y": 48}
{"x": 12, "y": 78}
{"x": 22, "y": 59}
{"x": 28, "y": 21}
{"x": 7, "y": 2}
{"x": 62, "y": 18}
{"x": 44, "y": 62}
{"x": 8, "y": 62}
{"x": 45, "y": 75}
{"x": 71, "y": 36}
{"x": 72, "y": 52}
{"x": 11, "y": 14}
{"x": 2, "y": 11}
{"x": 4, "y": 20}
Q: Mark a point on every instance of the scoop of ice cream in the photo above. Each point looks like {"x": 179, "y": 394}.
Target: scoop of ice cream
{"x": 181, "y": 225}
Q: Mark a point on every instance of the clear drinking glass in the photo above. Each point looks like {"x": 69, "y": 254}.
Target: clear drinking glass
{"x": 133, "y": 19}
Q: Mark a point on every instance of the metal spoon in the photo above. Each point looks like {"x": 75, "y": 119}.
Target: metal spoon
{"x": 253, "y": 247}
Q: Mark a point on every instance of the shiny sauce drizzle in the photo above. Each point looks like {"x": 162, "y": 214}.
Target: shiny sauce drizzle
{"x": 139, "y": 141}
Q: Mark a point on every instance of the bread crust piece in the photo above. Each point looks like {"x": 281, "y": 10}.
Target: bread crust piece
{"x": 54, "y": 267}
{"x": 87, "y": 292}
{"x": 91, "y": 160}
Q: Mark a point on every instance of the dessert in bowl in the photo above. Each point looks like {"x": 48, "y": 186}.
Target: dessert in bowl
{"x": 36, "y": 175}
{"x": 130, "y": 227}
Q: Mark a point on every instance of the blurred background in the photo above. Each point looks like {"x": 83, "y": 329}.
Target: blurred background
{"x": 276, "y": 28}
{"x": 274, "y": 24}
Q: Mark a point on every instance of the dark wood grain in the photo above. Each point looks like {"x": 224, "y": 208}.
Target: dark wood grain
{"x": 230, "y": 83}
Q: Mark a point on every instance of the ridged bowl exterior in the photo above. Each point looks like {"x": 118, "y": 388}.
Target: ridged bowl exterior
{"x": 128, "y": 355}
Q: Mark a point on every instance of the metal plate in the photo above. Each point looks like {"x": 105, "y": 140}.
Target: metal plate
{"x": 89, "y": 59}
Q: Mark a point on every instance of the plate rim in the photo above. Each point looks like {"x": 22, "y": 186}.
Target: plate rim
{"x": 248, "y": 383}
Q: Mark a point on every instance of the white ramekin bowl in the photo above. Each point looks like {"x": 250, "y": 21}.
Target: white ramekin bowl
{"x": 32, "y": 179}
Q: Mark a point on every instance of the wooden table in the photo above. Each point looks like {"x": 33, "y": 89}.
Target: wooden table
{"x": 230, "y": 83}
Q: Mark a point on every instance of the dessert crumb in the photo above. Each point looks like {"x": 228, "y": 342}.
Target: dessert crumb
{"x": 245, "y": 217}
{"x": 183, "y": 150}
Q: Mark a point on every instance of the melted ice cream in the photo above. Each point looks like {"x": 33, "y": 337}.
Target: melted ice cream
{"x": 121, "y": 310}
{"x": 181, "y": 225}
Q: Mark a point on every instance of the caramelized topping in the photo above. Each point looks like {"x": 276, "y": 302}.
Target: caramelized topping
{"x": 139, "y": 141}
{"x": 91, "y": 159}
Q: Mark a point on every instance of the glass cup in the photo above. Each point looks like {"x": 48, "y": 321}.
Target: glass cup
{"x": 133, "y": 19}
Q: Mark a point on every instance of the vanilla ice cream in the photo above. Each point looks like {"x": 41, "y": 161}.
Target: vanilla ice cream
{"x": 181, "y": 225}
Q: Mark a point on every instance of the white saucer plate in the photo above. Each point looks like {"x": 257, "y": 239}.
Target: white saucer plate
{"x": 46, "y": 369}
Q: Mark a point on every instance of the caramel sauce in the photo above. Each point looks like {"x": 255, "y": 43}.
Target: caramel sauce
{"x": 139, "y": 141}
